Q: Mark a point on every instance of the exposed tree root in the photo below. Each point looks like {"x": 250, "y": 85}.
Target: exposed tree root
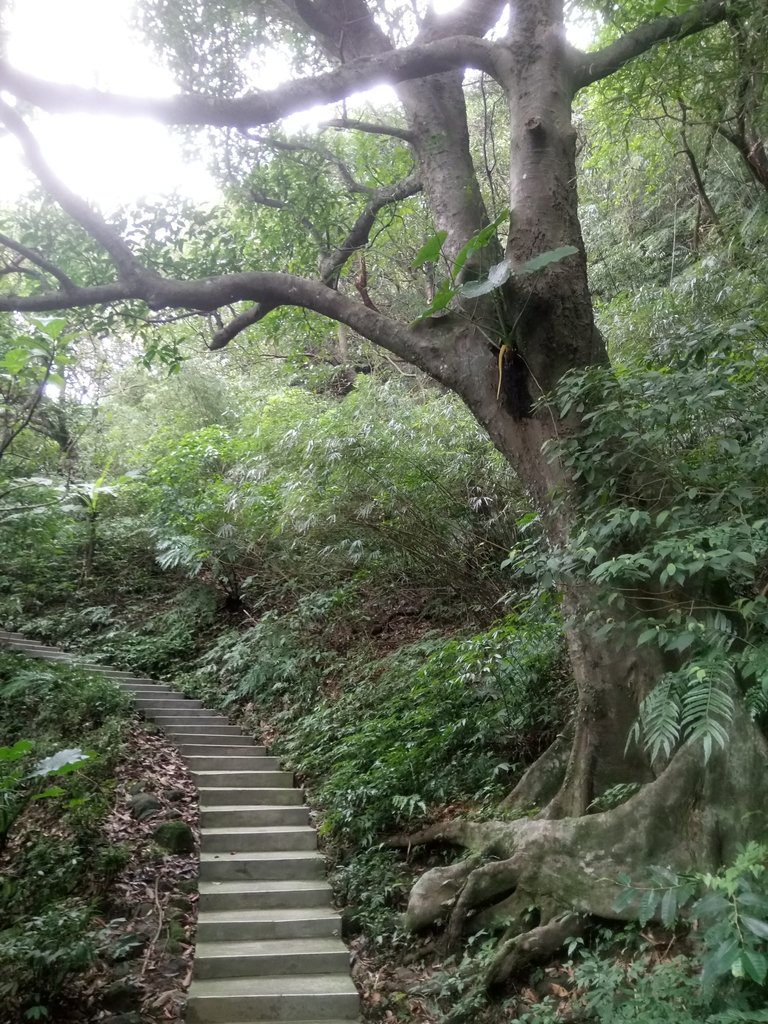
{"x": 539, "y": 943}
{"x": 542, "y": 780}
{"x": 691, "y": 818}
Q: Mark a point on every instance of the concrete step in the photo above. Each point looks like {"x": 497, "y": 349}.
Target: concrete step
{"x": 252, "y": 816}
{"x": 142, "y": 682}
{"x": 317, "y": 997}
{"x": 209, "y": 779}
{"x": 45, "y": 655}
{"x": 173, "y": 703}
{"x": 24, "y": 644}
{"x": 253, "y": 838}
{"x": 200, "y": 717}
{"x": 226, "y": 748}
{"x": 43, "y": 649}
{"x": 264, "y": 894}
{"x": 145, "y": 693}
{"x": 199, "y": 721}
{"x": 216, "y": 796}
{"x": 272, "y": 957}
{"x": 233, "y": 763}
{"x": 210, "y": 733}
{"x": 283, "y": 865}
{"x": 120, "y": 675}
{"x": 181, "y": 709}
{"x": 259, "y": 925}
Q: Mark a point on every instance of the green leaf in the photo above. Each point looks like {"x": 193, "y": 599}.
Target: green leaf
{"x": 753, "y": 899}
{"x": 478, "y": 241}
{"x": 648, "y": 905}
{"x": 746, "y": 556}
{"x": 16, "y": 752}
{"x": 442, "y": 298}
{"x": 474, "y": 289}
{"x": 757, "y": 927}
{"x": 723, "y": 958}
{"x": 709, "y": 906}
{"x": 51, "y": 791}
{"x": 431, "y": 249}
{"x": 754, "y": 965}
{"x": 669, "y": 908}
{"x": 497, "y": 276}
{"x": 625, "y": 899}
{"x": 545, "y": 258}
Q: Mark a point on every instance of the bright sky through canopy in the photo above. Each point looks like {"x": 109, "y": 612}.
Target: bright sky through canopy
{"x": 111, "y": 161}
{"x": 108, "y": 160}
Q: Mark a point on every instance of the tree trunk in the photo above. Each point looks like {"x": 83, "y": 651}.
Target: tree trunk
{"x": 89, "y": 551}
{"x": 688, "y": 816}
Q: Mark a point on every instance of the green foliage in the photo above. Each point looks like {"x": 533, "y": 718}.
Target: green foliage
{"x": 373, "y": 886}
{"x": 455, "y": 988}
{"x": 671, "y": 472}
{"x": 20, "y": 784}
{"x": 731, "y": 914}
{"x": 642, "y": 990}
{"x": 279, "y": 662}
{"x": 55, "y": 703}
{"x": 380, "y": 485}
{"x": 31, "y": 364}
{"x": 47, "y": 934}
{"x": 40, "y": 954}
{"x": 436, "y": 722}
{"x": 497, "y": 275}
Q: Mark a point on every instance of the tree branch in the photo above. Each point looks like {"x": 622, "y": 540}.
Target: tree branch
{"x": 38, "y": 260}
{"x": 473, "y": 18}
{"x": 591, "y": 67}
{"x": 260, "y": 107}
{"x": 128, "y": 267}
{"x": 331, "y": 263}
{"x": 358, "y": 234}
{"x": 368, "y": 126}
{"x": 265, "y": 288}
{"x": 240, "y": 323}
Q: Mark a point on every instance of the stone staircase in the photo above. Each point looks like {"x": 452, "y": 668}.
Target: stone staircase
{"x": 268, "y": 939}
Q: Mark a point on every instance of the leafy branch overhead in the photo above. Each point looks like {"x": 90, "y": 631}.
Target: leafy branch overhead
{"x": 434, "y": 51}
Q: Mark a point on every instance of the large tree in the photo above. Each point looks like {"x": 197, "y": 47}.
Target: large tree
{"x": 503, "y": 349}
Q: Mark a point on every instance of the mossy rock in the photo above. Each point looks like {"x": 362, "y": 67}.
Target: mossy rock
{"x": 145, "y": 805}
{"x": 175, "y": 836}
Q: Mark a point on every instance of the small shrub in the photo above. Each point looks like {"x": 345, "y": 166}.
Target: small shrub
{"x": 40, "y": 955}
{"x": 374, "y": 886}
{"x": 55, "y": 704}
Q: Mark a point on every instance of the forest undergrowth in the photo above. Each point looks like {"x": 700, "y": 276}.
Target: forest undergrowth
{"x": 97, "y": 908}
{"x": 401, "y": 699}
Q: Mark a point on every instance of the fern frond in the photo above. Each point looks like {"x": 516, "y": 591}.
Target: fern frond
{"x": 707, "y": 704}
{"x": 660, "y": 715}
